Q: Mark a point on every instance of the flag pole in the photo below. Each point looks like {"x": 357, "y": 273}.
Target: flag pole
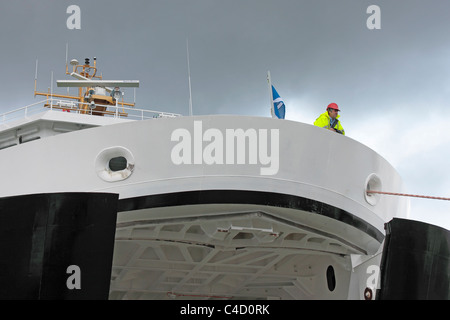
{"x": 269, "y": 80}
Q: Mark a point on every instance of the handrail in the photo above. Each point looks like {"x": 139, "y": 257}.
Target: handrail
{"x": 117, "y": 111}
{"x": 30, "y": 105}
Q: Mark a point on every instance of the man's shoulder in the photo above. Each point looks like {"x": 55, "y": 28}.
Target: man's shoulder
{"x": 322, "y": 119}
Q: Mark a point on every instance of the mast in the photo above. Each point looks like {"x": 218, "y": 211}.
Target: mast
{"x": 35, "y": 78}
{"x": 95, "y": 97}
{"x": 189, "y": 78}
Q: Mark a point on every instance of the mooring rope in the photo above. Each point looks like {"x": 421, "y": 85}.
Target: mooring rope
{"x": 407, "y": 195}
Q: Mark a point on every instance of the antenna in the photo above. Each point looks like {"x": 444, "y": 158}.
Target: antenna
{"x": 51, "y": 88}
{"x": 35, "y": 78}
{"x": 67, "y": 53}
{"x": 189, "y": 78}
{"x": 35, "y": 74}
{"x": 67, "y": 66}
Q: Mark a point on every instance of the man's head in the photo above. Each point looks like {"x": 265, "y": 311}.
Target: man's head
{"x": 333, "y": 110}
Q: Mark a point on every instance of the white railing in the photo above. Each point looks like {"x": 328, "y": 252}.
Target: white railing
{"x": 69, "y": 106}
{"x": 21, "y": 113}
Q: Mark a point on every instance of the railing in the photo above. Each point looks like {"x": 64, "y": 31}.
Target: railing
{"x": 69, "y": 106}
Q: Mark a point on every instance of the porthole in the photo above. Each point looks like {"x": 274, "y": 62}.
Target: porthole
{"x": 331, "y": 278}
{"x": 118, "y": 164}
{"x": 373, "y": 182}
{"x": 114, "y": 164}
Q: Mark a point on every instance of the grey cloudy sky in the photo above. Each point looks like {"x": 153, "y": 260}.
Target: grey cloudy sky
{"x": 391, "y": 84}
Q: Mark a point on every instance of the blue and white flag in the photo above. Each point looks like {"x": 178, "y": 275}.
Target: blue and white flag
{"x": 279, "y": 109}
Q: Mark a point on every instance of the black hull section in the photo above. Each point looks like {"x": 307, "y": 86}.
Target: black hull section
{"x": 415, "y": 263}
{"x": 57, "y": 246}
{"x": 249, "y": 197}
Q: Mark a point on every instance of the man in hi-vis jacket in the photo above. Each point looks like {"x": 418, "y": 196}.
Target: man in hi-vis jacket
{"x": 329, "y": 119}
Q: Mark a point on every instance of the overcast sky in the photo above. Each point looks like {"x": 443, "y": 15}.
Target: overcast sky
{"x": 392, "y": 84}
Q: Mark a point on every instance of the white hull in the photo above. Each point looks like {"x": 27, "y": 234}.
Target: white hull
{"x": 260, "y": 229}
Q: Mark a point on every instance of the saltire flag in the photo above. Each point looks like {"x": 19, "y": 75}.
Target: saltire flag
{"x": 278, "y": 106}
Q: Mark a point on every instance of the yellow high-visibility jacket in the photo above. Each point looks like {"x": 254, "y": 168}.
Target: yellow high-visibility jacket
{"x": 323, "y": 121}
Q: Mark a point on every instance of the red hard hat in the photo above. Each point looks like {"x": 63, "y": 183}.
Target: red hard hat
{"x": 333, "y": 106}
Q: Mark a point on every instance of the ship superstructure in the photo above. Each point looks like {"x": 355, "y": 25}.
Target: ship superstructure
{"x": 99, "y": 102}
